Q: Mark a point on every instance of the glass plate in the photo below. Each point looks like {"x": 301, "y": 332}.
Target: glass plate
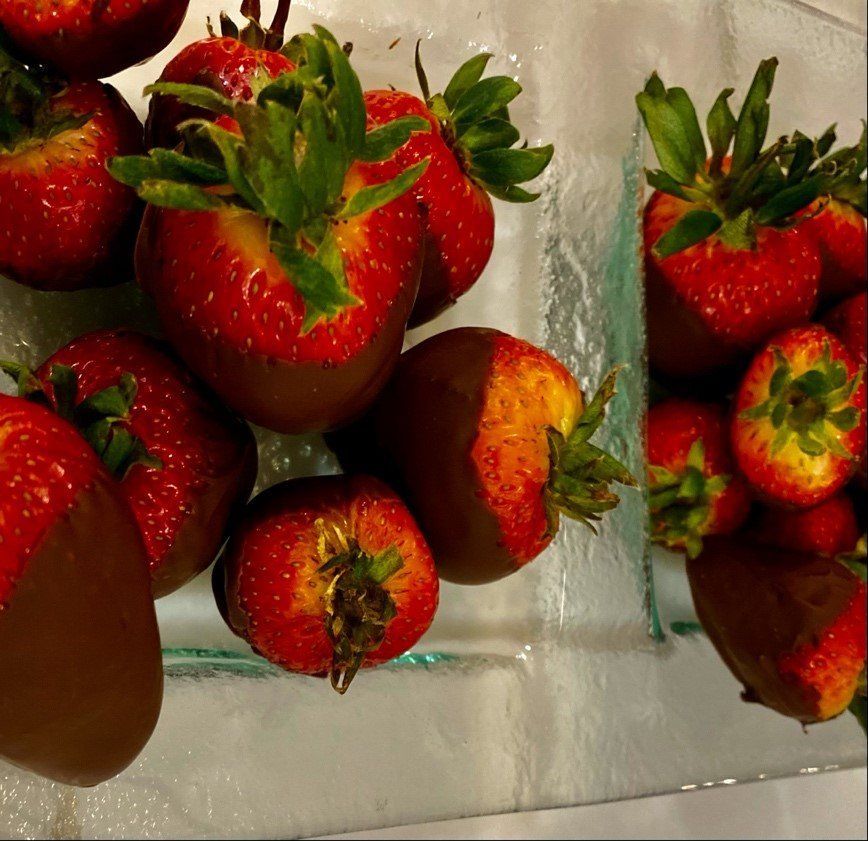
{"x": 552, "y": 687}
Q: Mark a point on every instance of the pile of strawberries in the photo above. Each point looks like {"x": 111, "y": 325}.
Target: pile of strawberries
{"x": 289, "y": 226}
{"x": 756, "y": 284}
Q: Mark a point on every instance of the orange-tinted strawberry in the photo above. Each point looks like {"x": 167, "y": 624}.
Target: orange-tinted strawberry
{"x": 725, "y": 265}
{"x": 228, "y": 63}
{"x": 64, "y": 222}
{"x": 79, "y": 646}
{"x": 328, "y": 575}
{"x": 284, "y": 279}
{"x": 184, "y": 463}
{"x": 790, "y": 626}
{"x": 828, "y": 529}
{"x": 799, "y": 418}
{"x": 489, "y": 436}
{"x": 92, "y": 39}
{"x": 468, "y": 142}
{"x": 693, "y": 491}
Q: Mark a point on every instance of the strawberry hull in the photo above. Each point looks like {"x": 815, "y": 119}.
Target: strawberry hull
{"x": 428, "y": 421}
{"x": 79, "y": 647}
{"x": 763, "y": 607}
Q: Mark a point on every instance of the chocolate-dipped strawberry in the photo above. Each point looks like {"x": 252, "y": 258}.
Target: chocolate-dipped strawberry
{"x": 327, "y": 575}
{"x": 489, "y": 436}
{"x": 82, "y": 678}
{"x": 184, "y": 463}
{"x": 229, "y": 63}
{"x": 283, "y": 258}
{"x": 790, "y": 626}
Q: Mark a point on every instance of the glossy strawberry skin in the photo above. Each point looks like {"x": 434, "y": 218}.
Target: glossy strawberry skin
{"x": 843, "y": 240}
{"x": 65, "y": 223}
{"x": 828, "y": 529}
{"x": 459, "y": 218}
{"x": 710, "y": 305}
{"x": 224, "y": 64}
{"x": 793, "y": 479}
{"x": 235, "y": 318}
{"x": 269, "y": 585}
{"x": 464, "y": 424}
{"x": 790, "y": 626}
{"x": 208, "y": 456}
{"x": 848, "y": 321}
{"x": 92, "y": 39}
{"x": 674, "y": 425}
{"x": 79, "y": 645}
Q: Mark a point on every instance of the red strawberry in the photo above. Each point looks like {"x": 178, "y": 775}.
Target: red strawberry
{"x": 92, "y": 39}
{"x": 693, "y": 491}
{"x": 790, "y": 627}
{"x": 468, "y": 144}
{"x": 848, "y": 322}
{"x": 829, "y": 528}
{"x": 489, "y": 436}
{"x": 725, "y": 266}
{"x": 843, "y": 239}
{"x": 327, "y": 575}
{"x": 64, "y": 222}
{"x": 228, "y": 63}
{"x": 79, "y": 646}
{"x": 284, "y": 277}
{"x": 184, "y": 462}
{"x": 799, "y": 418}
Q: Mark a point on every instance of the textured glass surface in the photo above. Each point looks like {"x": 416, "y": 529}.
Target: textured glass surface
{"x": 545, "y": 689}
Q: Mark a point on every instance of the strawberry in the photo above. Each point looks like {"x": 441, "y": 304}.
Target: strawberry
{"x": 790, "y": 626}
{"x": 848, "y": 322}
{"x": 284, "y": 261}
{"x": 229, "y": 63}
{"x": 828, "y": 529}
{"x": 837, "y": 220}
{"x": 92, "y": 39}
{"x": 328, "y": 575}
{"x": 693, "y": 491}
{"x": 489, "y": 435}
{"x": 799, "y": 418}
{"x": 726, "y": 264}
{"x": 184, "y": 463}
{"x": 79, "y": 646}
{"x": 468, "y": 141}
{"x": 64, "y": 222}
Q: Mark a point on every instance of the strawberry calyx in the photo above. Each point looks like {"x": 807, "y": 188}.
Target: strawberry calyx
{"x": 26, "y": 108}
{"x": 741, "y": 185}
{"x": 102, "y": 418}
{"x": 286, "y": 162}
{"x": 680, "y": 503}
{"x": 811, "y": 409}
{"x": 580, "y": 473}
{"x": 844, "y": 170}
{"x": 856, "y": 560}
{"x": 358, "y": 607}
{"x": 254, "y": 34}
{"x": 474, "y": 121}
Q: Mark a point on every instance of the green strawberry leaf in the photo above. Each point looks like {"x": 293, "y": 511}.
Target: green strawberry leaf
{"x": 692, "y": 228}
{"x": 378, "y": 568}
{"x": 720, "y": 126}
{"x": 511, "y": 193}
{"x": 198, "y": 95}
{"x": 377, "y": 195}
{"x": 229, "y": 147}
{"x": 165, "y": 165}
{"x": 483, "y": 99}
{"x": 347, "y": 97}
{"x": 322, "y": 169}
{"x": 492, "y": 133}
{"x": 465, "y": 78}
{"x": 171, "y": 194}
{"x": 381, "y": 142}
{"x": 25, "y": 379}
{"x": 753, "y": 120}
{"x": 789, "y": 200}
{"x": 502, "y": 167}
{"x": 679, "y": 101}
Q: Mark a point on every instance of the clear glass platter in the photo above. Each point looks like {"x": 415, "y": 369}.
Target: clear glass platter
{"x": 560, "y": 685}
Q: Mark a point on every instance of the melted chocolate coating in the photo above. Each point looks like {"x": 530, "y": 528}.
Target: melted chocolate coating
{"x": 757, "y": 603}
{"x": 426, "y": 421}
{"x": 204, "y": 530}
{"x": 288, "y": 397}
{"x": 80, "y": 661}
